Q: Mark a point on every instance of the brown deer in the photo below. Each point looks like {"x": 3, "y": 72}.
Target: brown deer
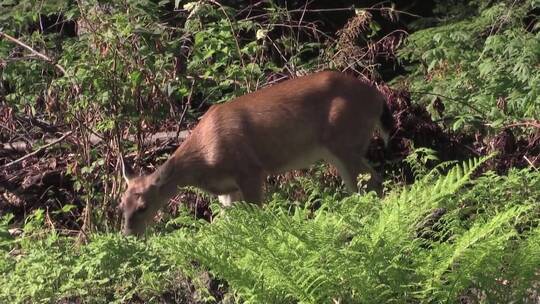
{"x": 323, "y": 116}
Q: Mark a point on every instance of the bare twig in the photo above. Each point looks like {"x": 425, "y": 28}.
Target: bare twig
{"x": 305, "y": 25}
{"x": 44, "y": 58}
{"x": 187, "y": 105}
{"x": 459, "y": 100}
{"x": 526, "y": 123}
{"x": 531, "y": 163}
{"x": 33, "y": 51}
{"x": 282, "y": 56}
{"x": 351, "y": 8}
{"x": 38, "y": 150}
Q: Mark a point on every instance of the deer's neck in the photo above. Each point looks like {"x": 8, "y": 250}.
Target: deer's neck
{"x": 178, "y": 171}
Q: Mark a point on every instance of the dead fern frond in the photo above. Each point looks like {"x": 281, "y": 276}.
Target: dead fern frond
{"x": 347, "y": 45}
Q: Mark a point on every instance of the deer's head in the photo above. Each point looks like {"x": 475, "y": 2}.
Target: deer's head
{"x": 139, "y": 203}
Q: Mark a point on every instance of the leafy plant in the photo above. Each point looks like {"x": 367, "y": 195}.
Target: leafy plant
{"x": 363, "y": 250}
{"x": 483, "y": 67}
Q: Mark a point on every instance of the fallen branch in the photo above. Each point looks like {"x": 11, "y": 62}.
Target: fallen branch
{"x": 21, "y": 146}
{"x": 38, "y": 150}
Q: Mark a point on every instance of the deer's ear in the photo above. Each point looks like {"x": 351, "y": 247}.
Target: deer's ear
{"x": 127, "y": 172}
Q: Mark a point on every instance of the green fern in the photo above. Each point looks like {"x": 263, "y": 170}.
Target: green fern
{"x": 483, "y": 66}
{"x": 361, "y": 249}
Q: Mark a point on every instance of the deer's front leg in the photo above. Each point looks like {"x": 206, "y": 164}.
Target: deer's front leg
{"x": 228, "y": 199}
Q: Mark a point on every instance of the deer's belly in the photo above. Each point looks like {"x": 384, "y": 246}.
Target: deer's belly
{"x": 302, "y": 161}
{"x": 219, "y": 186}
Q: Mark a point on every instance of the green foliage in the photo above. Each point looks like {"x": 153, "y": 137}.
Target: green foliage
{"x": 368, "y": 251}
{"x": 220, "y": 57}
{"x": 131, "y": 68}
{"x": 109, "y": 268}
{"x": 43, "y": 266}
{"x": 444, "y": 237}
{"x": 131, "y": 63}
{"x": 485, "y": 66}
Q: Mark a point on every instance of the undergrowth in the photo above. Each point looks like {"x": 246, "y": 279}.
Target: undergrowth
{"x": 445, "y": 237}
{"x": 479, "y": 69}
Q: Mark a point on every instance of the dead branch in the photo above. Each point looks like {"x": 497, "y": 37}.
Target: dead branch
{"x": 38, "y": 150}
{"x": 44, "y": 58}
{"x": 38, "y": 54}
{"x": 20, "y": 146}
{"x": 525, "y": 123}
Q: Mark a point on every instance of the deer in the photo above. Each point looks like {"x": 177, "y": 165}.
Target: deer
{"x": 328, "y": 115}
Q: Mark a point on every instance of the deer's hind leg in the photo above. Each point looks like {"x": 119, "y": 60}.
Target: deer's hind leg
{"x": 251, "y": 187}
{"x": 350, "y": 162}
